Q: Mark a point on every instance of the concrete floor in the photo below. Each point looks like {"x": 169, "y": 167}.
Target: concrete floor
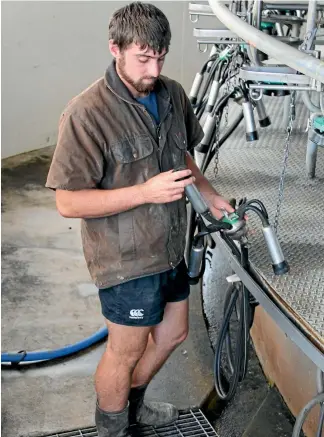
{"x": 48, "y": 301}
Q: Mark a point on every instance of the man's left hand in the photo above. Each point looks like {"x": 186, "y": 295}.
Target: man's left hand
{"x": 218, "y": 203}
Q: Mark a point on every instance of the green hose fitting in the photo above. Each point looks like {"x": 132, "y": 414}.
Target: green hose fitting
{"x": 318, "y": 123}
{"x": 224, "y": 54}
{"x": 265, "y": 25}
{"x": 232, "y": 218}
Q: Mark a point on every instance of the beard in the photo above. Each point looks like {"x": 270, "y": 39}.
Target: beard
{"x": 139, "y": 85}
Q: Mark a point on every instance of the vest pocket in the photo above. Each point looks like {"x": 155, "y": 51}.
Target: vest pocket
{"x": 126, "y": 236}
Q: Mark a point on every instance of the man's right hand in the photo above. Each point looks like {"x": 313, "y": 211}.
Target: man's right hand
{"x": 166, "y": 187}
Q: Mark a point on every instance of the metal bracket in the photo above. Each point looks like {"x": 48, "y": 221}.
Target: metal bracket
{"x": 308, "y": 40}
{"x": 213, "y": 33}
{"x": 201, "y": 42}
{"x": 233, "y": 278}
{"x": 284, "y": 75}
{"x": 199, "y": 9}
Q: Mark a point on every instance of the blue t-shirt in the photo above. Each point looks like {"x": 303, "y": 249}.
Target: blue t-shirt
{"x": 150, "y": 104}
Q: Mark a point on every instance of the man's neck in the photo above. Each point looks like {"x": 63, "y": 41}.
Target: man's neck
{"x": 130, "y": 87}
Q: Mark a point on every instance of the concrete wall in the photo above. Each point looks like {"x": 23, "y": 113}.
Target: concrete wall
{"x": 53, "y": 50}
{"x": 287, "y": 366}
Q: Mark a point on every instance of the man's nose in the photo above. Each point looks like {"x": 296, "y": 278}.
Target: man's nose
{"x": 154, "y": 69}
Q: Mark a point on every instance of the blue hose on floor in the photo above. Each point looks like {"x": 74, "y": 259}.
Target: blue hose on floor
{"x": 24, "y": 356}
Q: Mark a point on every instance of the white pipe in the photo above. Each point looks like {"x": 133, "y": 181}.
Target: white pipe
{"x": 282, "y": 52}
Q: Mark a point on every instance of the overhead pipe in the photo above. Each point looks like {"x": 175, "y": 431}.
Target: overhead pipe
{"x": 283, "y": 53}
{"x": 311, "y": 16}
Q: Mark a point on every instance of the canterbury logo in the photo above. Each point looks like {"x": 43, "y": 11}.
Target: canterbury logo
{"x": 136, "y": 314}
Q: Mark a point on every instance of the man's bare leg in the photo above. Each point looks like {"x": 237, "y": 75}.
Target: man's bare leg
{"x": 126, "y": 345}
{"x": 163, "y": 340}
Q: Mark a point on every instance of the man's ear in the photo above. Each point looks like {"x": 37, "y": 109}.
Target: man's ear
{"x": 114, "y": 49}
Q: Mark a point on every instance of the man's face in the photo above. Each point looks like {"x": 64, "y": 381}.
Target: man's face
{"x": 139, "y": 68}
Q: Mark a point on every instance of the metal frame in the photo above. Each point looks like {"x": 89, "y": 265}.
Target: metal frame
{"x": 287, "y": 326}
{"x": 283, "y": 53}
{"x": 197, "y": 9}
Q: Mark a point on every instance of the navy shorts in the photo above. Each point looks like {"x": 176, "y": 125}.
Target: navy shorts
{"x": 141, "y": 302}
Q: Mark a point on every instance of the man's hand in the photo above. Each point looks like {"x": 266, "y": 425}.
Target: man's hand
{"x": 166, "y": 187}
{"x": 218, "y": 203}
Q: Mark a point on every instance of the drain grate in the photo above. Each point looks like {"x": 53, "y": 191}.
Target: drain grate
{"x": 191, "y": 423}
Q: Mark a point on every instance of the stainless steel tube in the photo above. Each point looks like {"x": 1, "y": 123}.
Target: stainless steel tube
{"x": 280, "y": 87}
{"x": 283, "y": 53}
{"x": 311, "y": 15}
{"x": 273, "y": 245}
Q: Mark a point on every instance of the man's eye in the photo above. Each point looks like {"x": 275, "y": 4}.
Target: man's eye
{"x": 161, "y": 59}
{"x": 143, "y": 61}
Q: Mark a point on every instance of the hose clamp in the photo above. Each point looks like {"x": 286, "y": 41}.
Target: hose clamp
{"x": 256, "y": 95}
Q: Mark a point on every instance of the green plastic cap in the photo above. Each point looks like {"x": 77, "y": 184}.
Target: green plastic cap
{"x": 318, "y": 123}
{"x": 266, "y": 25}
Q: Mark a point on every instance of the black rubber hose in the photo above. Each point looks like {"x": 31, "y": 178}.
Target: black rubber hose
{"x": 246, "y": 318}
{"x": 222, "y": 140}
{"x": 228, "y": 343}
{"x": 218, "y": 375}
{"x": 192, "y": 224}
{"x": 237, "y": 353}
{"x": 202, "y": 108}
{"x": 222, "y": 102}
{"x": 261, "y": 205}
{"x": 206, "y": 85}
{"x": 211, "y": 59}
{"x": 237, "y": 360}
{"x": 264, "y": 220}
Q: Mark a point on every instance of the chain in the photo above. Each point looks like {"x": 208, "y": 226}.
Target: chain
{"x": 289, "y": 128}
{"x": 216, "y": 147}
{"x": 225, "y": 116}
{"x": 227, "y": 88}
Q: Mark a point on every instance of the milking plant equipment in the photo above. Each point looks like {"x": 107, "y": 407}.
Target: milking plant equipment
{"x": 267, "y": 48}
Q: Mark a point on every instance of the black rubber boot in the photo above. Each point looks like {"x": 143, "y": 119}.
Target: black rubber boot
{"x": 112, "y": 424}
{"x": 149, "y": 413}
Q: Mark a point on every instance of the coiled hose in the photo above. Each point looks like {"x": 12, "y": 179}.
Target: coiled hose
{"x": 237, "y": 299}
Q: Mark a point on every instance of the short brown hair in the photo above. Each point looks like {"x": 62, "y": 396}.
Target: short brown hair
{"x": 140, "y": 23}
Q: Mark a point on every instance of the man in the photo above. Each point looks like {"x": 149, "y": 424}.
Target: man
{"x": 119, "y": 146}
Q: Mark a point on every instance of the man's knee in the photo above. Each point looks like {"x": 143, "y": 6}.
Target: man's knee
{"x": 126, "y": 357}
{"x": 180, "y": 336}
{"x": 127, "y": 350}
{"x": 171, "y": 341}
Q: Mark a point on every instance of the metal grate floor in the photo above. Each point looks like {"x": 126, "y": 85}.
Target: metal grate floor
{"x": 191, "y": 423}
{"x": 253, "y": 170}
